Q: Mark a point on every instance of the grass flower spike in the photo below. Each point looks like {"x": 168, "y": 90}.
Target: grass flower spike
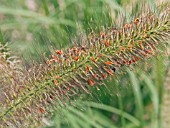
{"x": 72, "y": 71}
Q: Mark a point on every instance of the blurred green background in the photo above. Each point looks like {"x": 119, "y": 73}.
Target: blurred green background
{"x": 131, "y": 100}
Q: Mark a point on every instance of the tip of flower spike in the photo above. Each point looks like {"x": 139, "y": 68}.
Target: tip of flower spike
{"x": 41, "y": 110}
{"x": 109, "y": 63}
{"x": 136, "y": 21}
{"x": 91, "y": 82}
{"x": 59, "y": 52}
{"x": 88, "y": 68}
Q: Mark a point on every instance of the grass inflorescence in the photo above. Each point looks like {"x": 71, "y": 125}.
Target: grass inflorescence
{"x": 72, "y": 71}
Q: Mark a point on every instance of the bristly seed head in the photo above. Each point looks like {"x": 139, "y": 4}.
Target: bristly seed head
{"x": 71, "y": 71}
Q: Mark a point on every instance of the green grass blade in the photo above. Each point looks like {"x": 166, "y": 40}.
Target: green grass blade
{"x": 138, "y": 97}
{"x": 113, "y": 110}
